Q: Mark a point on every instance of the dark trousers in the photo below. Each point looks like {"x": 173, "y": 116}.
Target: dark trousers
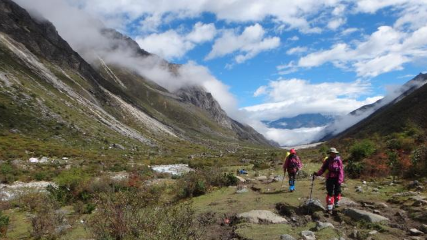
{"x": 333, "y": 187}
{"x": 292, "y": 178}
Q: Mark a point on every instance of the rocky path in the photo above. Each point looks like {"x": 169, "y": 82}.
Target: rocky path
{"x": 265, "y": 210}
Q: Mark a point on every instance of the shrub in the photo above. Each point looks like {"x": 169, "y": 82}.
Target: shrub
{"x": 260, "y": 165}
{"x": 362, "y": 149}
{"x": 128, "y": 215}
{"x": 47, "y": 220}
{"x": 419, "y": 161}
{"x": 354, "y": 169}
{"x": 4, "y": 224}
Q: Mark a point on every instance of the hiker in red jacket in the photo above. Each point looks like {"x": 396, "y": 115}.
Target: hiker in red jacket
{"x": 334, "y": 177}
{"x": 292, "y": 165}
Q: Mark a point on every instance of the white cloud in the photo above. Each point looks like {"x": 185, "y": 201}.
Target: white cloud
{"x": 385, "y": 50}
{"x": 171, "y": 44}
{"x": 288, "y": 15}
{"x": 380, "y": 65}
{"x": 294, "y": 38}
{"x": 287, "y": 68}
{"x": 296, "y": 50}
{"x": 248, "y": 44}
{"x": 288, "y": 98}
{"x": 202, "y": 33}
{"x": 349, "y": 31}
{"x": 336, "y": 23}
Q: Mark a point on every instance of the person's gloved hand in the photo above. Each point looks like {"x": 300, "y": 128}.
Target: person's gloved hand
{"x": 315, "y": 174}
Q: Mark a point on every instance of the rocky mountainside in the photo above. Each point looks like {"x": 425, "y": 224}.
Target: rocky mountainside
{"x": 50, "y": 93}
{"x": 410, "y": 107}
{"x": 356, "y": 117}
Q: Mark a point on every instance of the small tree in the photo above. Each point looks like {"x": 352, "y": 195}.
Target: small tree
{"x": 394, "y": 163}
{"x": 362, "y": 149}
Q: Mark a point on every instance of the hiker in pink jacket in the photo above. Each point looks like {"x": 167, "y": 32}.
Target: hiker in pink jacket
{"x": 292, "y": 165}
{"x": 334, "y": 177}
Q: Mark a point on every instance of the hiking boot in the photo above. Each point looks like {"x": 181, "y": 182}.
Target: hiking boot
{"x": 292, "y": 188}
{"x": 337, "y": 204}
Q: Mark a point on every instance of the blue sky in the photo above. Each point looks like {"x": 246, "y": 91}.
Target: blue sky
{"x": 267, "y": 59}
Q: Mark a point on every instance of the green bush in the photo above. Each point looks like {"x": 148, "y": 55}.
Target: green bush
{"x": 353, "y": 169}
{"x": 4, "y": 224}
{"x": 362, "y": 149}
{"x": 260, "y": 165}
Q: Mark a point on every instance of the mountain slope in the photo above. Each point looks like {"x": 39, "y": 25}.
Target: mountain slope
{"x": 409, "y": 108}
{"x": 50, "y": 96}
{"x": 341, "y": 126}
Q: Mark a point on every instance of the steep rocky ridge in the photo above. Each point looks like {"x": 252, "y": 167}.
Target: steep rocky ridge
{"x": 48, "y": 91}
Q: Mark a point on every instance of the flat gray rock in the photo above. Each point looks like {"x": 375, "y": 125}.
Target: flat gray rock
{"x": 313, "y": 205}
{"x": 347, "y": 202}
{"x": 261, "y": 216}
{"x": 287, "y": 237}
{"x": 357, "y": 215}
{"x": 415, "y": 232}
{"x": 308, "y": 235}
{"x": 322, "y": 225}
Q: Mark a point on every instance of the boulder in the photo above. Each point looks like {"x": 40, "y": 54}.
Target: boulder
{"x": 415, "y": 232}
{"x": 357, "y": 214}
{"x": 241, "y": 179}
{"x": 311, "y": 206}
{"x": 287, "y": 237}
{"x": 308, "y": 235}
{"x": 322, "y": 225}
{"x": 261, "y": 178}
{"x": 261, "y": 216}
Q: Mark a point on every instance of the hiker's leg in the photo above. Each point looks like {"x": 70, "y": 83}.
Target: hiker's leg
{"x": 291, "y": 181}
{"x": 329, "y": 197}
{"x": 337, "y": 193}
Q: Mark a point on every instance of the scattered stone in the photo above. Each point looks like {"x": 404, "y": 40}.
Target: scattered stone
{"x": 278, "y": 178}
{"x": 420, "y": 188}
{"x": 382, "y": 205}
{"x": 308, "y": 235}
{"x": 322, "y": 225}
{"x": 424, "y": 228}
{"x": 417, "y": 198}
{"x": 373, "y": 232}
{"x": 415, "y": 232}
{"x": 414, "y": 184}
{"x": 405, "y": 194}
{"x": 287, "y": 237}
{"x": 354, "y": 234}
{"x": 420, "y": 203}
{"x": 375, "y": 190}
{"x": 65, "y": 158}
{"x": 261, "y": 178}
{"x": 347, "y": 202}
{"x": 341, "y": 238}
{"x": 364, "y": 182}
{"x": 359, "y": 189}
{"x": 416, "y": 238}
{"x": 313, "y": 205}
{"x": 377, "y": 212}
{"x": 242, "y": 190}
{"x": 241, "y": 179}
{"x": 357, "y": 214}
{"x": 261, "y": 216}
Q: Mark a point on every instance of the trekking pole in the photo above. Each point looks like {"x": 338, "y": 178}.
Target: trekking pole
{"x": 311, "y": 190}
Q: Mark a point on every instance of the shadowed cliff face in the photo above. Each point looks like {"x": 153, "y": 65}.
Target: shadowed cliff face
{"x": 107, "y": 99}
